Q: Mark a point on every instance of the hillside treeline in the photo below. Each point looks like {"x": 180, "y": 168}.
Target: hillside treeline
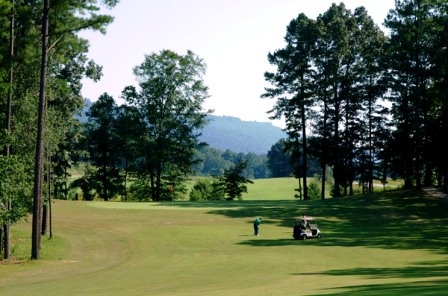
{"x": 366, "y": 104}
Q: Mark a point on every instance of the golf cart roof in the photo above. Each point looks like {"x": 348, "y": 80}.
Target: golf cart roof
{"x": 305, "y": 218}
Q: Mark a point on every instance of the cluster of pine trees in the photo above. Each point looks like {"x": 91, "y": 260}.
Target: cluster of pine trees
{"x": 42, "y": 61}
{"x": 367, "y": 104}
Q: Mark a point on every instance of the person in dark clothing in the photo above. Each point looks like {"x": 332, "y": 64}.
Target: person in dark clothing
{"x": 257, "y": 223}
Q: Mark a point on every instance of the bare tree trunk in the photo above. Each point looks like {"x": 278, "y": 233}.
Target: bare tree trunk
{"x": 1, "y": 239}
{"x": 49, "y": 196}
{"x": 44, "y": 218}
{"x": 305, "y": 150}
{"x": 39, "y": 157}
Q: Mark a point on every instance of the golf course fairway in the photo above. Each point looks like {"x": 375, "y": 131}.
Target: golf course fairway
{"x": 393, "y": 243}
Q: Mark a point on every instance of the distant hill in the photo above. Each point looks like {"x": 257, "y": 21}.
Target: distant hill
{"x": 226, "y": 132}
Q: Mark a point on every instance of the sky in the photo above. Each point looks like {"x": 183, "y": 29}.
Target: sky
{"x": 233, "y": 37}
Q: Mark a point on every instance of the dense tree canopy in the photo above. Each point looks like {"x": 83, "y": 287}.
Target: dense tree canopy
{"x": 40, "y": 89}
{"x": 169, "y": 101}
{"x": 340, "y": 71}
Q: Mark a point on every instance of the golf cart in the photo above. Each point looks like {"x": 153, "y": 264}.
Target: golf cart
{"x": 305, "y": 228}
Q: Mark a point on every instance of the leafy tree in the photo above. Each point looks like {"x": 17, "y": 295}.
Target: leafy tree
{"x": 14, "y": 195}
{"x": 234, "y": 181}
{"x": 210, "y": 161}
{"x": 206, "y": 190}
{"x": 279, "y": 160}
{"x": 327, "y": 73}
{"x": 170, "y": 103}
{"x": 410, "y": 76}
{"x": 102, "y": 146}
{"x": 348, "y": 77}
{"x": 293, "y": 82}
{"x": 129, "y": 129}
{"x": 314, "y": 191}
{"x": 257, "y": 166}
{"x": 67, "y": 17}
{"x": 440, "y": 92}
{"x": 49, "y": 78}
{"x": 417, "y": 66}
{"x": 5, "y": 232}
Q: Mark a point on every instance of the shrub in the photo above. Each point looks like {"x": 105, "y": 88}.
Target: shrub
{"x": 314, "y": 192}
{"x": 206, "y": 190}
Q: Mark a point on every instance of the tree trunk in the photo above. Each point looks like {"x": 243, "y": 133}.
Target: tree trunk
{"x": 444, "y": 160}
{"x": 44, "y": 219}
{"x": 324, "y": 150}
{"x": 5, "y": 234}
{"x": 39, "y": 157}
{"x": 49, "y": 196}
{"x": 305, "y": 150}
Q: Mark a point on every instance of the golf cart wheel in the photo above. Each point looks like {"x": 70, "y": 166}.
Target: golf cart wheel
{"x": 304, "y": 237}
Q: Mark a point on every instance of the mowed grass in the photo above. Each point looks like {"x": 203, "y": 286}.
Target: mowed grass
{"x": 391, "y": 243}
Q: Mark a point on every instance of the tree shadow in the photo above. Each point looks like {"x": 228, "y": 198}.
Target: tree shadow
{"x": 401, "y": 220}
{"x": 414, "y": 270}
{"x": 391, "y": 220}
{"x": 419, "y": 270}
{"x": 395, "y": 220}
{"x": 427, "y": 288}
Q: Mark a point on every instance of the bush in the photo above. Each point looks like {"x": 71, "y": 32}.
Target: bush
{"x": 206, "y": 190}
{"x": 314, "y": 192}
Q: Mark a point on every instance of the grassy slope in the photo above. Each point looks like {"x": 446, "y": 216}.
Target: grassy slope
{"x": 390, "y": 244}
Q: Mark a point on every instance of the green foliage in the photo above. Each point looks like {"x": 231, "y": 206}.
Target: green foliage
{"x": 328, "y": 77}
{"x": 314, "y": 191}
{"x": 86, "y": 183}
{"x": 279, "y": 160}
{"x": 140, "y": 190}
{"x": 15, "y": 190}
{"x": 207, "y": 190}
{"x": 102, "y": 145}
{"x": 233, "y": 181}
{"x": 169, "y": 103}
{"x": 213, "y": 162}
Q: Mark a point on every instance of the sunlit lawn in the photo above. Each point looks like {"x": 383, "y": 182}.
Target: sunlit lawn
{"x": 384, "y": 244}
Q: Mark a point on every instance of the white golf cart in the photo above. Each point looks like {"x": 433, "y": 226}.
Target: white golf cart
{"x": 305, "y": 228}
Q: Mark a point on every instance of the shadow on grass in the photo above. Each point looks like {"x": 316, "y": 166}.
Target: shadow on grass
{"x": 420, "y": 270}
{"x": 436, "y": 288}
{"x": 401, "y": 220}
{"x": 416, "y": 270}
{"x": 392, "y": 220}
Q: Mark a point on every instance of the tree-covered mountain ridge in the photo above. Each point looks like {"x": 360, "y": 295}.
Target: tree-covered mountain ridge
{"x": 232, "y": 133}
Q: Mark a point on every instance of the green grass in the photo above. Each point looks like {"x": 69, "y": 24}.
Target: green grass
{"x": 392, "y": 243}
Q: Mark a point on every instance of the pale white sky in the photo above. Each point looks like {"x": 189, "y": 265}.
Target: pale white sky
{"x": 233, "y": 37}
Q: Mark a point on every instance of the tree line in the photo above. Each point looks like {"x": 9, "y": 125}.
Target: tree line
{"x": 366, "y": 104}
{"x": 42, "y": 61}
{"x": 114, "y": 151}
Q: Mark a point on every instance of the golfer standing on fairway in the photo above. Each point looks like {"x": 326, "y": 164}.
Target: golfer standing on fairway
{"x": 257, "y": 223}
